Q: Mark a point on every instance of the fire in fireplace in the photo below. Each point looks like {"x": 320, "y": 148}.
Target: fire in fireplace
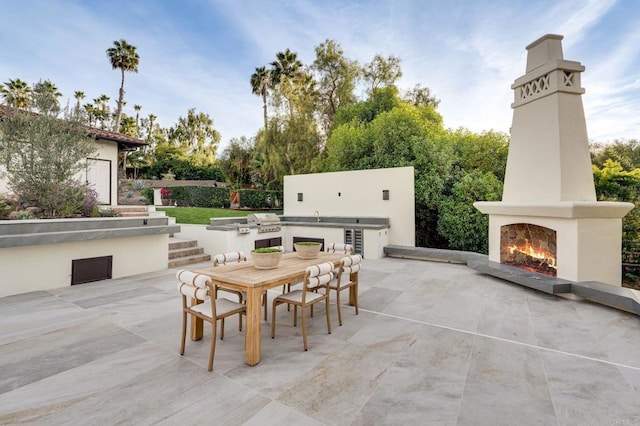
{"x": 529, "y": 247}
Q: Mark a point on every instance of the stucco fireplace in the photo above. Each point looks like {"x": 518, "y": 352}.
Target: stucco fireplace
{"x": 549, "y": 220}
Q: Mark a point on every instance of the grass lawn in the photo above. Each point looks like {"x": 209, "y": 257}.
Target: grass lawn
{"x": 201, "y": 215}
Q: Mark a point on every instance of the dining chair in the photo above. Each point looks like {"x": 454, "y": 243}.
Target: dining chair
{"x": 225, "y": 259}
{"x": 236, "y": 257}
{"x": 340, "y": 248}
{"x": 316, "y": 276}
{"x": 347, "y": 278}
{"x": 198, "y": 301}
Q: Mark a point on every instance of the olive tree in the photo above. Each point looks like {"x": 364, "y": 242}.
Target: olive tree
{"x": 41, "y": 157}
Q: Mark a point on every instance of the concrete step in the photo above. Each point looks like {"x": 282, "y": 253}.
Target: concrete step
{"x": 179, "y": 243}
{"x": 189, "y": 260}
{"x": 184, "y": 252}
{"x": 133, "y": 214}
{"x": 131, "y": 211}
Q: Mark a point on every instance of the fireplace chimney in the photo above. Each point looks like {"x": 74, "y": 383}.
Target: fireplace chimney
{"x": 548, "y": 180}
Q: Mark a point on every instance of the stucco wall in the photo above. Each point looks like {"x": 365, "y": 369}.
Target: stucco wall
{"x": 48, "y": 266}
{"x": 109, "y": 151}
{"x": 357, "y": 194}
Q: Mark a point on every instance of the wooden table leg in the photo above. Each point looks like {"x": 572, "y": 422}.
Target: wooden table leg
{"x": 197, "y": 325}
{"x": 254, "y": 326}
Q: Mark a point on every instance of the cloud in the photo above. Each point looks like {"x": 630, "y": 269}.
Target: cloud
{"x": 202, "y": 54}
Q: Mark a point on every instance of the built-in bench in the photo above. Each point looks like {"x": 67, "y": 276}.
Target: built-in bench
{"x": 622, "y": 298}
{"x": 37, "y": 232}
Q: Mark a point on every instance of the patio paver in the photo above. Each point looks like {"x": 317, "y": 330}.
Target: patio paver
{"x": 434, "y": 343}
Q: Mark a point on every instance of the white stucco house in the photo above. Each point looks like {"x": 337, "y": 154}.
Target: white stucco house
{"x": 101, "y": 171}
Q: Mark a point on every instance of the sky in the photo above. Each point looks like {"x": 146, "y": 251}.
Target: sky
{"x": 201, "y": 53}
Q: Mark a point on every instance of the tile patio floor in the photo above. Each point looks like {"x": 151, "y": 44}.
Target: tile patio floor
{"x": 434, "y": 343}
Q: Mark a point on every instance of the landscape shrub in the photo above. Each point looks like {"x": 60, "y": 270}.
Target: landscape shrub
{"x": 255, "y": 199}
{"x": 200, "y": 196}
{"x": 148, "y": 194}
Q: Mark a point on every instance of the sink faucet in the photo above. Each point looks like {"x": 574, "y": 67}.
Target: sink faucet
{"x": 317, "y": 216}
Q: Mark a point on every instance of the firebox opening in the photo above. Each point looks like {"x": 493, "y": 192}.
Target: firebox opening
{"x": 529, "y": 247}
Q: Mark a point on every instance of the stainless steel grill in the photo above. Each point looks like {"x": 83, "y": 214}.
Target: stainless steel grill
{"x": 266, "y": 222}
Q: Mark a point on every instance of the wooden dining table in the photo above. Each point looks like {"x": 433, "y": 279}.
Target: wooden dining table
{"x": 246, "y": 277}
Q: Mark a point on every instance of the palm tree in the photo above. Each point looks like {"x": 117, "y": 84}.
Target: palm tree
{"x": 91, "y": 113}
{"x": 101, "y": 110}
{"x": 79, "y": 96}
{"x": 286, "y": 64}
{"x": 137, "y": 108}
{"x": 152, "y": 119}
{"x": 284, "y": 71}
{"x": 45, "y": 96}
{"x": 128, "y": 126}
{"x": 16, "y": 93}
{"x": 260, "y": 83}
{"x": 124, "y": 57}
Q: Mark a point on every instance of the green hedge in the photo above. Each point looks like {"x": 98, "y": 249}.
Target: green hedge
{"x": 254, "y": 199}
{"x": 200, "y": 196}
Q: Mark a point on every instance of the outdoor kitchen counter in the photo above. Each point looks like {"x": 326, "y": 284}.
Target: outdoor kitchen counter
{"x": 373, "y": 223}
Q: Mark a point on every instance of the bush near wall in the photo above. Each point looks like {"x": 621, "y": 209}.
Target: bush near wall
{"x": 200, "y": 196}
{"x": 148, "y": 194}
{"x": 254, "y": 199}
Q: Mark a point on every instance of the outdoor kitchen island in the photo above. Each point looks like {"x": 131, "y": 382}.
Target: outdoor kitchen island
{"x": 368, "y": 235}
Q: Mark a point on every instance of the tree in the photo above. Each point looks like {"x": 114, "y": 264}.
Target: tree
{"x": 614, "y": 183}
{"x": 337, "y": 78}
{"x": 381, "y": 72}
{"x": 195, "y": 132}
{"x": 624, "y": 152}
{"x": 152, "y": 120}
{"x": 260, "y": 83}
{"x": 463, "y": 226}
{"x": 101, "y": 110}
{"x": 42, "y": 156}
{"x": 123, "y": 56}
{"x": 421, "y": 96}
{"x": 486, "y": 151}
{"x": 285, "y": 65}
{"x": 379, "y": 101}
{"x": 45, "y": 97}
{"x": 79, "y": 97}
{"x": 137, "y": 108}
{"x": 16, "y": 93}
{"x": 128, "y": 126}
{"x": 91, "y": 114}
{"x": 288, "y": 80}
{"x": 235, "y": 161}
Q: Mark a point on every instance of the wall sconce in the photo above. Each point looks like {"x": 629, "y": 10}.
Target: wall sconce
{"x": 385, "y": 194}
{"x": 299, "y": 196}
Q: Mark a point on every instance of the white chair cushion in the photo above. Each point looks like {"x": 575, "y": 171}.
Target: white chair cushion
{"x": 193, "y": 292}
{"x": 224, "y": 258}
{"x": 320, "y": 269}
{"x": 351, "y": 260}
{"x": 347, "y": 270}
{"x": 339, "y": 248}
{"x": 223, "y": 306}
{"x": 193, "y": 279}
{"x": 296, "y": 296}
